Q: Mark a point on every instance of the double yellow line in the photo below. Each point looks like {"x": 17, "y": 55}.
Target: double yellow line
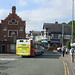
{"x": 66, "y": 68}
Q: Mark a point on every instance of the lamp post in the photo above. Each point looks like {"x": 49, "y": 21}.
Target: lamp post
{"x": 62, "y": 35}
{"x": 72, "y": 20}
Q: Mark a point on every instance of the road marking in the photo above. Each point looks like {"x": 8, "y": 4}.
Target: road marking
{"x": 11, "y": 59}
{"x": 66, "y": 68}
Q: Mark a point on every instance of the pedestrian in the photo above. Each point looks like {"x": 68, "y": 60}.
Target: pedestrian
{"x": 72, "y": 54}
{"x": 63, "y": 50}
{"x": 66, "y": 50}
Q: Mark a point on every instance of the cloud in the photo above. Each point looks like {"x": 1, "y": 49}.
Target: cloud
{"x": 46, "y": 11}
{"x": 55, "y": 10}
{"x": 22, "y": 3}
{"x": 36, "y": 18}
{"x": 39, "y": 1}
{"x": 3, "y": 13}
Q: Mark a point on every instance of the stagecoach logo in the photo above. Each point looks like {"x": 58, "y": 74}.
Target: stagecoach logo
{"x": 23, "y": 44}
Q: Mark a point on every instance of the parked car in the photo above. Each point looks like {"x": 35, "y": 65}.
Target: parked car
{"x": 39, "y": 50}
{"x": 59, "y": 49}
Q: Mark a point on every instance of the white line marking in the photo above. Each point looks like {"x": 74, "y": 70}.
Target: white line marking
{"x": 11, "y": 59}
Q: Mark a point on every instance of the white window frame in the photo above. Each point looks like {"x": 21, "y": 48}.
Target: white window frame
{"x": 11, "y": 21}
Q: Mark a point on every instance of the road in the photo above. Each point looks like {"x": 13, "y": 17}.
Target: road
{"x": 47, "y": 64}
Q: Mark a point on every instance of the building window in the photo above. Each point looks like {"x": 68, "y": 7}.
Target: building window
{"x": 12, "y": 46}
{"x": 56, "y": 36}
{"x": 13, "y": 22}
{"x": 11, "y": 33}
{"x": 49, "y": 33}
{"x": 5, "y": 28}
{"x": 46, "y": 28}
{"x": 4, "y": 36}
{"x": 21, "y": 28}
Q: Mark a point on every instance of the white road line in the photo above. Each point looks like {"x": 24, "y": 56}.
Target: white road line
{"x": 10, "y": 59}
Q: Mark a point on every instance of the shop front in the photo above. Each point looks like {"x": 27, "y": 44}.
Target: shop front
{"x": 54, "y": 44}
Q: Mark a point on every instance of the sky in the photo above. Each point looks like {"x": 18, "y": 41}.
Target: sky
{"x": 38, "y": 12}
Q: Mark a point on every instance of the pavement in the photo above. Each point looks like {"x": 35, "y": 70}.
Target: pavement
{"x": 71, "y": 65}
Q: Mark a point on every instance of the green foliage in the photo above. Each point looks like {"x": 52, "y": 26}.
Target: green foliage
{"x": 68, "y": 44}
{"x": 73, "y": 28}
{"x": 63, "y": 23}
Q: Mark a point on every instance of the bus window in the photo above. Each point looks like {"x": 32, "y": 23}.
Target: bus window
{"x": 21, "y": 40}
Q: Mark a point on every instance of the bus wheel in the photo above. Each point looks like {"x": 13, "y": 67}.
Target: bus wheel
{"x": 23, "y": 56}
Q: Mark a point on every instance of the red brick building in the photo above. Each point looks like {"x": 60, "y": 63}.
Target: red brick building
{"x": 11, "y": 28}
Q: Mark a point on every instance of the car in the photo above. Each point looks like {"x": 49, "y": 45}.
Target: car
{"x": 59, "y": 48}
{"x": 39, "y": 50}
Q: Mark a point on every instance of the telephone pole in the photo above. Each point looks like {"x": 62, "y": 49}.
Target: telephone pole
{"x": 72, "y": 21}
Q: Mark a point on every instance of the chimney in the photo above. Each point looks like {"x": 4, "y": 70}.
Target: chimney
{"x": 13, "y": 10}
{"x": 56, "y": 22}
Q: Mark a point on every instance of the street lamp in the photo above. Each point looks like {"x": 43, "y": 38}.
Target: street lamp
{"x": 62, "y": 35}
{"x": 72, "y": 20}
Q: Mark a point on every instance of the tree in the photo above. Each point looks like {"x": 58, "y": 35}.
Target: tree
{"x": 68, "y": 44}
{"x": 73, "y": 28}
{"x": 63, "y": 23}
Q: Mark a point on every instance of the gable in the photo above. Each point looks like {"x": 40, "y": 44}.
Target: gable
{"x": 13, "y": 18}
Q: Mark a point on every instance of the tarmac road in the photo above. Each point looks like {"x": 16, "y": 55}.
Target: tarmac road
{"x": 47, "y": 64}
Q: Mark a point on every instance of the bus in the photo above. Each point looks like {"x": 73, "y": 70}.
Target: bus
{"x": 25, "y": 47}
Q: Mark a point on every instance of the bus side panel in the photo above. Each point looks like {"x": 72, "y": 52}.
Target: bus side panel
{"x": 32, "y": 51}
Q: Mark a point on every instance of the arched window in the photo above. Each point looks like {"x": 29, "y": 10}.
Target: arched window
{"x": 13, "y": 22}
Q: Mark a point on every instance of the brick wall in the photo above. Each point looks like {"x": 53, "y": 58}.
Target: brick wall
{"x": 12, "y": 23}
{"x": 12, "y": 26}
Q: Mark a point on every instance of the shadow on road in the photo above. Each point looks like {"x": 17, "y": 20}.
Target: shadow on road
{"x": 47, "y": 54}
